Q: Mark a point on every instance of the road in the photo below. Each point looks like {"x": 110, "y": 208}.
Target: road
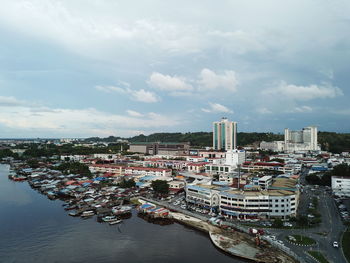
{"x": 330, "y": 229}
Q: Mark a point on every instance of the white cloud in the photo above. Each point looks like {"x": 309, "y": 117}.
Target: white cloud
{"x": 209, "y": 80}
{"x": 216, "y": 108}
{"x": 10, "y": 102}
{"x": 302, "y": 109}
{"x": 143, "y": 96}
{"x": 137, "y": 95}
{"x": 169, "y": 83}
{"x": 238, "y": 41}
{"x": 134, "y": 113}
{"x": 110, "y": 89}
{"x": 81, "y": 122}
{"x": 303, "y": 93}
{"x": 263, "y": 110}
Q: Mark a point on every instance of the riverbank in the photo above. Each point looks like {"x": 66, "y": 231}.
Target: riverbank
{"x": 35, "y": 229}
{"x": 234, "y": 242}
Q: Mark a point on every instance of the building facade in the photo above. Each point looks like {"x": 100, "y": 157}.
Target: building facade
{"x": 341, "y": 186}
{"x": 224, "y": 135}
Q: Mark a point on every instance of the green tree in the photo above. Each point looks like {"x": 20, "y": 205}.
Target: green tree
{"x": 127, "y": 183}
{"x": 277, "y": 223}
{"x": 74, "y": 168}
{"x": 160, "y": 186}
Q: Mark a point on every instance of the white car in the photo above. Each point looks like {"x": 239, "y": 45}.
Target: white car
{"x": 335, "y": 244}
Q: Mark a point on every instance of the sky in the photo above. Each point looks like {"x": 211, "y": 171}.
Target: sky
{"x": 86, "y": 68}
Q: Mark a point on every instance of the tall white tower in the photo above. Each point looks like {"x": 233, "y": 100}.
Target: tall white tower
{"x": 224, "y": 135}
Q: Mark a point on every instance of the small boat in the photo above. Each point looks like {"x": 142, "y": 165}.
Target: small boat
{"x": 109, "y": 218}
{"x": 74, "y": 213}
{"x": 121, "y": 210}
{"x": 117, "y": 221}
{"x": 87, "y": 213}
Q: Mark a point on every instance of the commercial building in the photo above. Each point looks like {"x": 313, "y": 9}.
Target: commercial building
{"x": 279, "y": 200}
{"x": 304, "y": 140}
{"x": 125, "y": 170}
{"x": 160, "y": 148}
{"x": 224, "y": 135}
{"x": 294, "y": 141}
{"x": 341, "y": 186}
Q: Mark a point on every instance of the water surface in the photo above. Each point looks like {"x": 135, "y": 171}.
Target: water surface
{"x": 36, "y": 229}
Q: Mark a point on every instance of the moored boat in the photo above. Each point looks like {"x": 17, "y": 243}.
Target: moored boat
{"x": 109, "y": 218}
{"x": 87, "y": 213}
{"x": 117, "y": 221}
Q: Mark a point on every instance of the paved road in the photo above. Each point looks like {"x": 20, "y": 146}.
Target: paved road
{"x": 331, "y": 226}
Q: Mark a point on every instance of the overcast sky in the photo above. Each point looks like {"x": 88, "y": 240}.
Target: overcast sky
{"x": 77, "y": 68}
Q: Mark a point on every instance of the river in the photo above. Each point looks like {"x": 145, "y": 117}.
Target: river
{"x": 36, "y": 229}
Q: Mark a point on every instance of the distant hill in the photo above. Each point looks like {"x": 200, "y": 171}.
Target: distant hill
{"x": 330, "y": 141}
{"x": 205, "y": 138}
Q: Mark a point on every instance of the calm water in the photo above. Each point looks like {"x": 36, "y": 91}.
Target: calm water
{"x": 35, "y": 229}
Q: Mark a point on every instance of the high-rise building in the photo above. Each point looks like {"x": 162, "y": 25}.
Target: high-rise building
{"x": 306, "y": 138}
{"x": 224, "y": 135}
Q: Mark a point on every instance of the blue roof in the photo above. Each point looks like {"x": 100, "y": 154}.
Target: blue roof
{"x": 147, "y": 178}
{"x": 146, "y": 206}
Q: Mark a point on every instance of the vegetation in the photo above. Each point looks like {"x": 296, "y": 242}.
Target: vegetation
{"x": 160, "y": 187}
{"x": 319, "y": 256}
{"x": 277, "y": 223}
{"x": 127, "y": 183}
{"x": 325, "y": 178}
{"x": 302, "y": 240}
{"x": 7, "y": 153}
{"x": 345, "y": 243}
{"x": 48, "y": 150}
{"x": 205, "y": 138}
{"x": 334, "y": 142}
{"x": 74, "y": 168}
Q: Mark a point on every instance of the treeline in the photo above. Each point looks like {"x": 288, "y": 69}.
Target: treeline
{"x": 334, "y": 142}
{"x": 205, "y": 138}
{"x": 326, "y": 178}
{"x": 48, "y": 150}
{"x": 330, "y": 141}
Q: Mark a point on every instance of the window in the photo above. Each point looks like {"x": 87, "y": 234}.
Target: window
{"x": 276, "y": 205}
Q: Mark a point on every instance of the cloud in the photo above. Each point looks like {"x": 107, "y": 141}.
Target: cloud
{"x": 81, "y": 122}
{"x": 10, "y": 102}
{"x": 109, "y": 89}
{"x": 209, "y": 80}
{"x": 263, "y": 110}
{"x": 303, "y": 93}
{"x": 302, "y": 109}
{"x": 134, "y": 113}
{"x": 238, "y": 41}
{"x": 137, "y": 95}
{"x": 144, "y": 96}
{"x": 169, "y": 83}
{"x": 216, "y": 108}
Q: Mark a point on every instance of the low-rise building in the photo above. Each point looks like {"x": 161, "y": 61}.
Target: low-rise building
{"x": 341, "y": 186}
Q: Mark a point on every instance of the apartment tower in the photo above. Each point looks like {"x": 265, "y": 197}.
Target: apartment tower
{"x": 224, "y": 135}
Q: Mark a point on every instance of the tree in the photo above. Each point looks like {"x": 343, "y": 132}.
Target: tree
{"x": 277, "y": 223}
{"x": 160, "y": 186}
{"x": 302, "y": 221}
{"x": 127, "y": 183}
{"x": 74, "y": 168}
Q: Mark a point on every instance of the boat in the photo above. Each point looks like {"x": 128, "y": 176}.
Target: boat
{"x": 74, "y": 213}
{"x": 87, "y": 213}
{"x": 121, "y": 210}
{"x": 117, "y": 221}
{"x": 109, "y": 218}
